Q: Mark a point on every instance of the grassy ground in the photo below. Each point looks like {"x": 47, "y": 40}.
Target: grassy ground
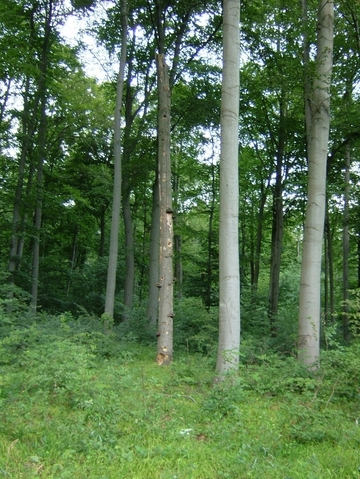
{"x": 69, "y": 412}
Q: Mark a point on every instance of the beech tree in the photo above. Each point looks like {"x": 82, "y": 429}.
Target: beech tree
{"x": 309, "y": 302}
{"x": 229, "y": 281}
{"x": 115, "y": 219}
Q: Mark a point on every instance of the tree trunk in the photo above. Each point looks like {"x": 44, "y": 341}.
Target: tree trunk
{"x": 259, "y": 237}
{"x": 116, "y": 207}
{"x": 309, "y": 303}
{"x": 177, "y": 241}
{"x": 129, "y": 259}
{"x": 346, "y": 246}
{"x": 29, "y": 117}
{"x": 277, "y": 229}
{"x": 28, "y": 124}
{"x": 330, "y": 265}
{"x": 153, "y": 295}
{"x": 306, "y": 59}
{"x": 102, "y": 231}
{"x": 42, "y": 137}
{"x": 166, "y": 314}
{"x": 178, "y": 266}
{"x": 229, "y": 274}
{"x": 210, "y": 238}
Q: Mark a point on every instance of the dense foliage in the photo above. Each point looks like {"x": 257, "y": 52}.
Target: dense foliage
{"x": 72, "y": 399}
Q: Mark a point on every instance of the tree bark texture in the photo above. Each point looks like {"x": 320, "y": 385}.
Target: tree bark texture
{"x": 116, "y": 207}
{"x": 229, "y": 280}
{"x": 310, "y": 303}
{"x": 166, "y": 281}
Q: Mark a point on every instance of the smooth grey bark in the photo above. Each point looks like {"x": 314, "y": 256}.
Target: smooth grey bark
{"x": 310, "y": 301}
{"x": 229, "y": 271}
{"x": 116, "y": 206}
{"x": 166, "y": 280}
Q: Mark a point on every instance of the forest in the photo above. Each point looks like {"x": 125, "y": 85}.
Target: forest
{"x": 179, "y": 188}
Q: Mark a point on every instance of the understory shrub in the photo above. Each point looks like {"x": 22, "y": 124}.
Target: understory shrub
{"x": 195, "y": 327}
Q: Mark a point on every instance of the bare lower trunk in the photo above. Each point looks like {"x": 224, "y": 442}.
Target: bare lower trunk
{"x": 211, "y": 239}
{"x": 116, "y": 207}
{"x": 38, "y": 210}
{"x": 229, "y": 273}
{"x": 310, "y": 303}
{"x": 129, "y": 260}
{"x": 277, "y": 229}
{"x": 166, "y": 314}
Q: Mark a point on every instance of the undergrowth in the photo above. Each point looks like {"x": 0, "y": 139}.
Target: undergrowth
{"x": 77, "y": 404}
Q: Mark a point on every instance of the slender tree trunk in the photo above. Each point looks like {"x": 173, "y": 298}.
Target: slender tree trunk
{"x": 102, "y": 231}
{"x": 39, "y": 204}
{"x": 310, "y": 303}
{"x": 126, "y": 188}
{"x": 229, "y": 277}
{"x": 42, "y": 137}
{"x": 177, "y": 241}
{"x": 346, "y": 246}
{"x": 210, "y": 238}
{"x": 153, "y": 295}
{"x": 116, "y": 207}
{"x": 259, "y": 237}
{"x": 166, "y": 314}
{"x": 178, "y": 266}
{"x": 28, "y": 124}
{"x": 72, "y": 259}
{"x": 326, "y": 272}
{"x": 129, "y": 258}
{"x": 329, "y": 239}
{"x": 277, "y": 229}
{"x": 307, "y": 80}
{"x": 5, "y": 99}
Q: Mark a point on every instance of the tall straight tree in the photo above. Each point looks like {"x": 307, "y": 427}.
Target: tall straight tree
{"x": 310, "y": 301}
{"x": 166, "y": 282}
{"x": 115, "y": 218}
{"x": 49, "y": 12}
{"x": 229, "y": 275}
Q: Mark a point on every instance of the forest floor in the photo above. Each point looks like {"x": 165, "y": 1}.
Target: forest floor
{"x": 81, "y": 406}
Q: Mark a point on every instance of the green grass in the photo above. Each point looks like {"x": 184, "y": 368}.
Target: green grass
{"x": 70, "y": 410}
